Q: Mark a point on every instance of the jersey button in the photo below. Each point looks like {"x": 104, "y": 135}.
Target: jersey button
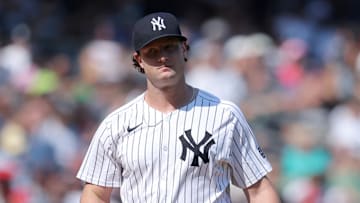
{"x": 165, "y": 148}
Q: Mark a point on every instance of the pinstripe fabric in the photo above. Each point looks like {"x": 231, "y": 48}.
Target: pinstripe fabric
{"x": 151, "y": 164}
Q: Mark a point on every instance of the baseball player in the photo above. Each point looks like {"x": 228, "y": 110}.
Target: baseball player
{"x": 174, "y": 142}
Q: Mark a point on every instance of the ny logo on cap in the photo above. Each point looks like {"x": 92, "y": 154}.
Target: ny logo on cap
{"x": 158, "y": 24}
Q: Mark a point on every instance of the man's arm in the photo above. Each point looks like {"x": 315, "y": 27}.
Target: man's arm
{"x": 95, "y": 194}
{"x": 262, "y": 191}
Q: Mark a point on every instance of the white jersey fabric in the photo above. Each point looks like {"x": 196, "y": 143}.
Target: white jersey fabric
{"x": 189, "y": 155}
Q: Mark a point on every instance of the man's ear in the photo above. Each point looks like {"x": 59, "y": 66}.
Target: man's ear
{"x": 185, "y": 49}
{"x": 136, "y": 57}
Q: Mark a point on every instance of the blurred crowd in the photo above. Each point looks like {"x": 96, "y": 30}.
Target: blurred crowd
{"x": 62, "y": 69}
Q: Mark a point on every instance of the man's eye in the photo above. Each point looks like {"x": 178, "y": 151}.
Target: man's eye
{"x": 170, "y": 47}
{"x": 152, "y": 52}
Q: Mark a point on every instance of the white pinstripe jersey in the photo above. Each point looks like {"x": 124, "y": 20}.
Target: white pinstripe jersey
{"x": 189, "y": 155}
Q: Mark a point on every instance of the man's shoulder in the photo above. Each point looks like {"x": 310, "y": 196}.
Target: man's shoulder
{"x": 213, "y": 98}
{"x": 127, "y": 108}
{"x": 228, "y": 107}
{"x": 208, "y": 96}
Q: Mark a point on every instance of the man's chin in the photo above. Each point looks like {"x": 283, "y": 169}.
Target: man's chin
{"x": 168, "y": 79}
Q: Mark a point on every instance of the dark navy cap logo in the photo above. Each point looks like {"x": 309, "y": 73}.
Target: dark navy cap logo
{"x": 155, "y": 26}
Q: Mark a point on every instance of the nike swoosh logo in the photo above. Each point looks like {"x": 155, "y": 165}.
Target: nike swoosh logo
{"x": 133, "y": 128}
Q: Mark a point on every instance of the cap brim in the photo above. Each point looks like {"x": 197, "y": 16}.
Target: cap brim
{"x": 158, "y": 37}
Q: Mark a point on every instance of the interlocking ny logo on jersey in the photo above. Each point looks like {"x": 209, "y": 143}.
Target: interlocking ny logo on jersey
{"x": 195, "y": 148}
{"x": 158, "y": 24}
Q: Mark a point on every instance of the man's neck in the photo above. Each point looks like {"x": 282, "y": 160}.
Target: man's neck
{"x": 169, "y": 99}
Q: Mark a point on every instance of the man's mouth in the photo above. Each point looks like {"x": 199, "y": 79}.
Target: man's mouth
{"x": 165, "y": 67}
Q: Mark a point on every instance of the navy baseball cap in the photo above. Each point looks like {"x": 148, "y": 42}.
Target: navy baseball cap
{"x": 155, "y": 26}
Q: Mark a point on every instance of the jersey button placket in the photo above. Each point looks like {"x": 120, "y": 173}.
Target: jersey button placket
{"x": 165, "y": 134}
{"x": 165, "y": 154}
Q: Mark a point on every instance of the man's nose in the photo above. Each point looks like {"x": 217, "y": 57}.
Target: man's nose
{"x": 164, "y": 56}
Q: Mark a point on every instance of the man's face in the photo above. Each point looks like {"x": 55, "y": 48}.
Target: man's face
{"x": 163, "y": 61}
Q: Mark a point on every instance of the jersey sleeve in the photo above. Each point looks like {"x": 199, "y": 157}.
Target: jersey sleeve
{"x": 99, "y": 165}
{"x": 248, "y": 162}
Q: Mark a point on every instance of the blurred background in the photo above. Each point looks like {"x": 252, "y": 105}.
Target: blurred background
{"x": 292, "y": 66}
